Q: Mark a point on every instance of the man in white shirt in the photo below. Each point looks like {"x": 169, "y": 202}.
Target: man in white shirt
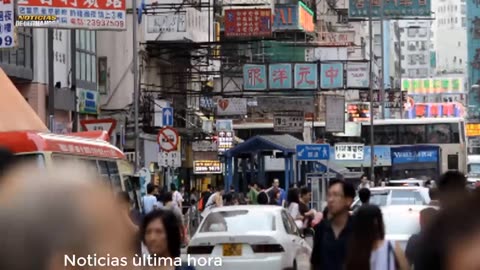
{"x": 177, "y": 197}
{"x": 149, "y": 201}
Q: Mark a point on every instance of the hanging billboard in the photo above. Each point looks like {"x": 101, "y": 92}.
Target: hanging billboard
{"x": 248, "y": 22}
{"x": 358, "y": 75}
{"x": 7, "y": 36}
{"x": 391, "y": 9}
{"x": 94, "y": 15}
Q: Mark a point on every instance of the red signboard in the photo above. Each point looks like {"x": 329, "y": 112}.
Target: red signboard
{"x": 248, "y": 22}
{"x": 89, "y": 14}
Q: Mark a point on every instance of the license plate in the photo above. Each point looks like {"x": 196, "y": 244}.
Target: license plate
{"x": 232, "y": 250}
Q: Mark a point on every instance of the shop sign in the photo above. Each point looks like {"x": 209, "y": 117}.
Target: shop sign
{"x": 415, "y": 154}
{"x": 81, "y": 14}
{"x": 207, "y": 167}
{"x": 433, "y": 86}
{"x": 331, "y": 76}
{"x": 87, "y": 101}
{"x": 391, "y": 9}
{"x": 7, "y": 29}
{"x": 306, "y": 18}
{"x": 248, "y": 22}
{"x": 337, "y": 39}
{"x": 473, "y": 130}
{"x": 349, "y": 151}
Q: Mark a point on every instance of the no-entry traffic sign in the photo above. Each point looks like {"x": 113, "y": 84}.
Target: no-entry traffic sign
{"x": 168, "y": 139}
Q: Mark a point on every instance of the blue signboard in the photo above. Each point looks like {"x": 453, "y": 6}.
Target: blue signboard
{"x": 87, "y": 101}
{"x": 473, "y": 41}
{"x": 280, "y": 76}
{"x": 167, "y": 117}
{"x": 254, "y": 77}
{"x": 331, "y": 76}
{"x": 392, "y": 9}
{"x": 312, "y": 152}
{"x": 286, "y": 17}
{"x": 306, "y": 76}
{"x": 415, "y": 154}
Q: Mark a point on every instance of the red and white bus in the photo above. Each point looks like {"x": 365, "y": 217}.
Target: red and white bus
{"x": 92, "y": 147}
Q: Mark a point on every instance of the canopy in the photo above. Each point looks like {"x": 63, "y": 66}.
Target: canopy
{"x": 16, "y": 114}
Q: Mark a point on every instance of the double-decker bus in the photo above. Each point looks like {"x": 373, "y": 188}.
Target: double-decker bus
{"x": 45, "y": 149}
{"x": 447, "y": 133}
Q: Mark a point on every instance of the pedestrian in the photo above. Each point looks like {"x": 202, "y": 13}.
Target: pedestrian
{"x": 230, "y": 195}
{"x": 215, "y": 200}
{"x": 177, "y": 197}
{"x": 263, "y": 198}
{"x": 426, "y": 217}
{"x": 161, "y": 233}
{"x": 364, "y": 195}
{"x": 452, "y": 240}
{"x": 364, "y": 182}
{"x": 305, "y": 211}
{"x": 159, "y": 193}
{"x": 271, "y": 190}
{"x": 294, "y": 207}
{"x": 252, "y": 193}
{"x": 276, "y": 197}
{"x": 333, "y": 232}
{"x": 170, "y": 205}
{"x": 367, "y": 248}
{"x": 451, "y": 187}
{"x": 66, "y": 213}
{"x": 193, "y": 196}
{"x": 433, "y": 194}
{"x": 149, "y": 201}
{"x": 204, "y": 198}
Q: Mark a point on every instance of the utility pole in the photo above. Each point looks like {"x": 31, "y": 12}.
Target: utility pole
{"x": 372, "y": 141}
{"x": 136, "y": 90}
{"x": 73, "y": 87}
{"x": 382, "y": 55}
{"x": 51, "y": 80}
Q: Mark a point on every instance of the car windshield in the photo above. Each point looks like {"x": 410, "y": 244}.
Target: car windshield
{"x": 238, "y": 222}
{"x": 406, "y": 224}
{"x": 474, "y": 169}
{"x": 407, "y": 197}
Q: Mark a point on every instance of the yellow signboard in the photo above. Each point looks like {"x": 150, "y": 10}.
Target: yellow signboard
{"x": 207, "y": 167}
{"x": 473, "y": 130}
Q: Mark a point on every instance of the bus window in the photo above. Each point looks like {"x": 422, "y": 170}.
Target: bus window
{"x": 412, "y": 134}
{"x": 37, "y": 159}
{"x": 103, "y": 170}
{"x": 114, "y": 176}
{"x": 442, "y": 133}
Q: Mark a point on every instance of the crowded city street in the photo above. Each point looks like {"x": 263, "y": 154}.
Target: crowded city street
{"x": 239, "y": 134}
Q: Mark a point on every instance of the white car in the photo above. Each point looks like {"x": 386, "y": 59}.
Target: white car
{"x": 401, "y": 222}
{"x": 250, "y": 237}
{"x": 385, "y": 196}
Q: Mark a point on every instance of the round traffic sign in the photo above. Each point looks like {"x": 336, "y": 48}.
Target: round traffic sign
{"x": 168, "y": 139}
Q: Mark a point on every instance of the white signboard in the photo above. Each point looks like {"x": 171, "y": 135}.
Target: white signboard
{"x": 329, "y": 54}
{"x": 170, "y": 159}
{"x": 7, "y": 35}
{"x": 289, "y": 122}
{"x": 335, "y": 113}
{"x": 205, "y": 146}
{"x": 337, "y": 39}
{"x": 178, "y": 25}
{"x": 232, "y": 106}
{"x": 349, "y": 151}
{"x": 357, "y": 75}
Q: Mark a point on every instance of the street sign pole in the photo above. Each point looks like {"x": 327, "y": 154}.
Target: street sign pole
{"x": 136, "y": 90}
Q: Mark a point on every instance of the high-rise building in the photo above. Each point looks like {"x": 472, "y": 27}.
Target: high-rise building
{"x": 415, "y": 48}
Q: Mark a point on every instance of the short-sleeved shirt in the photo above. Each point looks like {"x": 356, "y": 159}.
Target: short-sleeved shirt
{"x": 328, "y": 251}
{"x": 149, "y": 203}
{"x": 177, "y": 198}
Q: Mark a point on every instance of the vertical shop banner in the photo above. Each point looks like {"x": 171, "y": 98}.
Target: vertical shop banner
{"x": 331, "y": 76}
{"x": 254, "y": 77}
{"x": 306, "y": 76}
{"x": 280, "y": 76}
{"x": 357, "y": 75}
{"x": 84, "y": 14}
{"x": 7, "y": 32}
{"x": 225, "y": 135}
{"x": 248, "y": 22}
{"x": 391, "y": 8}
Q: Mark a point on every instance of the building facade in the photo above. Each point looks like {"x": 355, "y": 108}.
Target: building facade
{"x": 415, "y": 40}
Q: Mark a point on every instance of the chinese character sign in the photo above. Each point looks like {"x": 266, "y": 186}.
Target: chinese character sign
{"x": 82, "y": 14}
{"x": 286, "y": 17}
{"x": 433, "y": 86}
{"x": 392, "y": 8}
{"x": 280, "y": 76}
{"x": 248, "y": 22}
{"x": 306, "y": 76}
{"x": 331, "y": 76}
{"x": 254, "y": 77}
{"x": 7, "y": 39}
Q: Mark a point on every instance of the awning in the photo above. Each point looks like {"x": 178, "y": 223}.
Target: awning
{"x": 284, "y": 143}
{"x": 15, "y": 113}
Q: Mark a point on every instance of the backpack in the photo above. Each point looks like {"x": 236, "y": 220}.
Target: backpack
{"x": 201, "y": 204}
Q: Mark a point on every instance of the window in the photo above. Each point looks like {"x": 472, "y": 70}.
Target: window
{"x": 386, "y": 135}
{"x": 412, "y": 73}
{"x": 464, "y": 22}
{"x": 422, "y": 59}
{"x": 20, "y": 56}
{"x": 412, "y": 134}
{"x": 86, "y": 59}
{"x": 238, "y": 222}
{"x": 412, "y": 59}
{"x": 412, "y": 32}
{"x": 463, "y": 9}
{"x": 443, "y": 133}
